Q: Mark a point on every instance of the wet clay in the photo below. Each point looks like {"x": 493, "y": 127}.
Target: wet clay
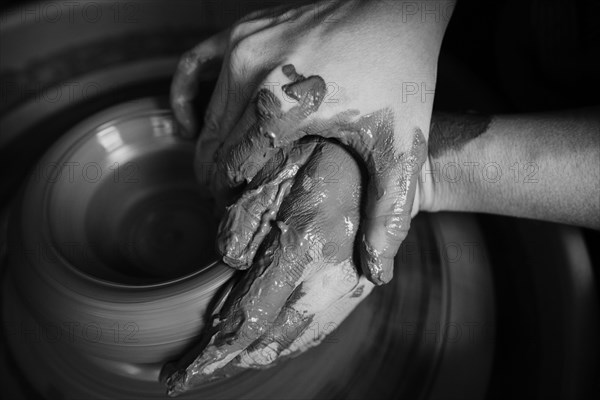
{"x": 392, "y": 181}
{"x": 240, "y": 158}
{"x": 247, "y": 222}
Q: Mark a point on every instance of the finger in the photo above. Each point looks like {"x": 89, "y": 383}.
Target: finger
{"x": 324, "y": 170}
{"x": 312, "y": 297}
{"x": 193, "y": 66}
{"x": 264, "y": 352}
{"x": 332, "y": 224}
{"x": 247, "y": 222}
{"x": 392, "y": 178}
{"x": 231, "y": 96}
{"x": 322, "y": 204}
{"x": 249, "y": 311}
{"x": 328, "y": 320}
{"x": 292, "y": 250}
{"x": 390, "y": 195}
{"x": 265, "y": 125}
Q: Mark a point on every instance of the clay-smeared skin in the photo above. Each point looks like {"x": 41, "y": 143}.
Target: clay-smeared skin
{"x": 295, "y": 225}
{"x": 241, "y": 160}
{"x": 303, "y": 271}
{"x": 453, "y": 131}
{"x": 371, "y": 136}
{"x": 248, "y": 221}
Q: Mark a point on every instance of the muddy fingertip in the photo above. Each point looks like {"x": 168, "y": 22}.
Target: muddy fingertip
{"x": 377, "y": 268}
{"x": 165, "y": 373}
{"x": 176, "y": 383}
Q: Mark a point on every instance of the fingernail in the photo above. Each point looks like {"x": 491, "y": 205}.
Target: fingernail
{"x": 378, "y": 269}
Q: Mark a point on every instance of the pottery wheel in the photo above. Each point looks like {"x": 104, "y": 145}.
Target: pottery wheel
{"x": 107, "y": 316}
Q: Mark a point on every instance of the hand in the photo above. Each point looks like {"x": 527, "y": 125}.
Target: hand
{"x": 303, "y": 282}
{"x": 336, "y": 69}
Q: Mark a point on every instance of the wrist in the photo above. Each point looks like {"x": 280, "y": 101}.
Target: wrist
{"x": 439, "y": 188}
{"x": 451, "y": 179}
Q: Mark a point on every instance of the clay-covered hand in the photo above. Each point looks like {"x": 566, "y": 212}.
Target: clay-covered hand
{"x": 362, "y": 72}
{"x": 298, "y": 221}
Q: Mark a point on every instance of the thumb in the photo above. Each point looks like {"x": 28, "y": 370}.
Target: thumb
{"x": 203, "y": 62}
{"x": 390, "y": 198}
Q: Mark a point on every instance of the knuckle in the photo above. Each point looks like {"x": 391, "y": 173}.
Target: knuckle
{"x": 238, "y": 31}
{"x": 241, "y": 53}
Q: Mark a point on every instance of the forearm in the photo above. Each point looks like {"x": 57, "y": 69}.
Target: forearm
{"x": 542, "y": 166}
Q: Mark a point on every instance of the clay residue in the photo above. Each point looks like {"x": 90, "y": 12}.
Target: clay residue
{"x": 239, "y": 158}
{"x": 391, "y": 209}
{"x": 247, "y": 221}
{"x": 453, "y": 131}
{"x": 306, "y": 174}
